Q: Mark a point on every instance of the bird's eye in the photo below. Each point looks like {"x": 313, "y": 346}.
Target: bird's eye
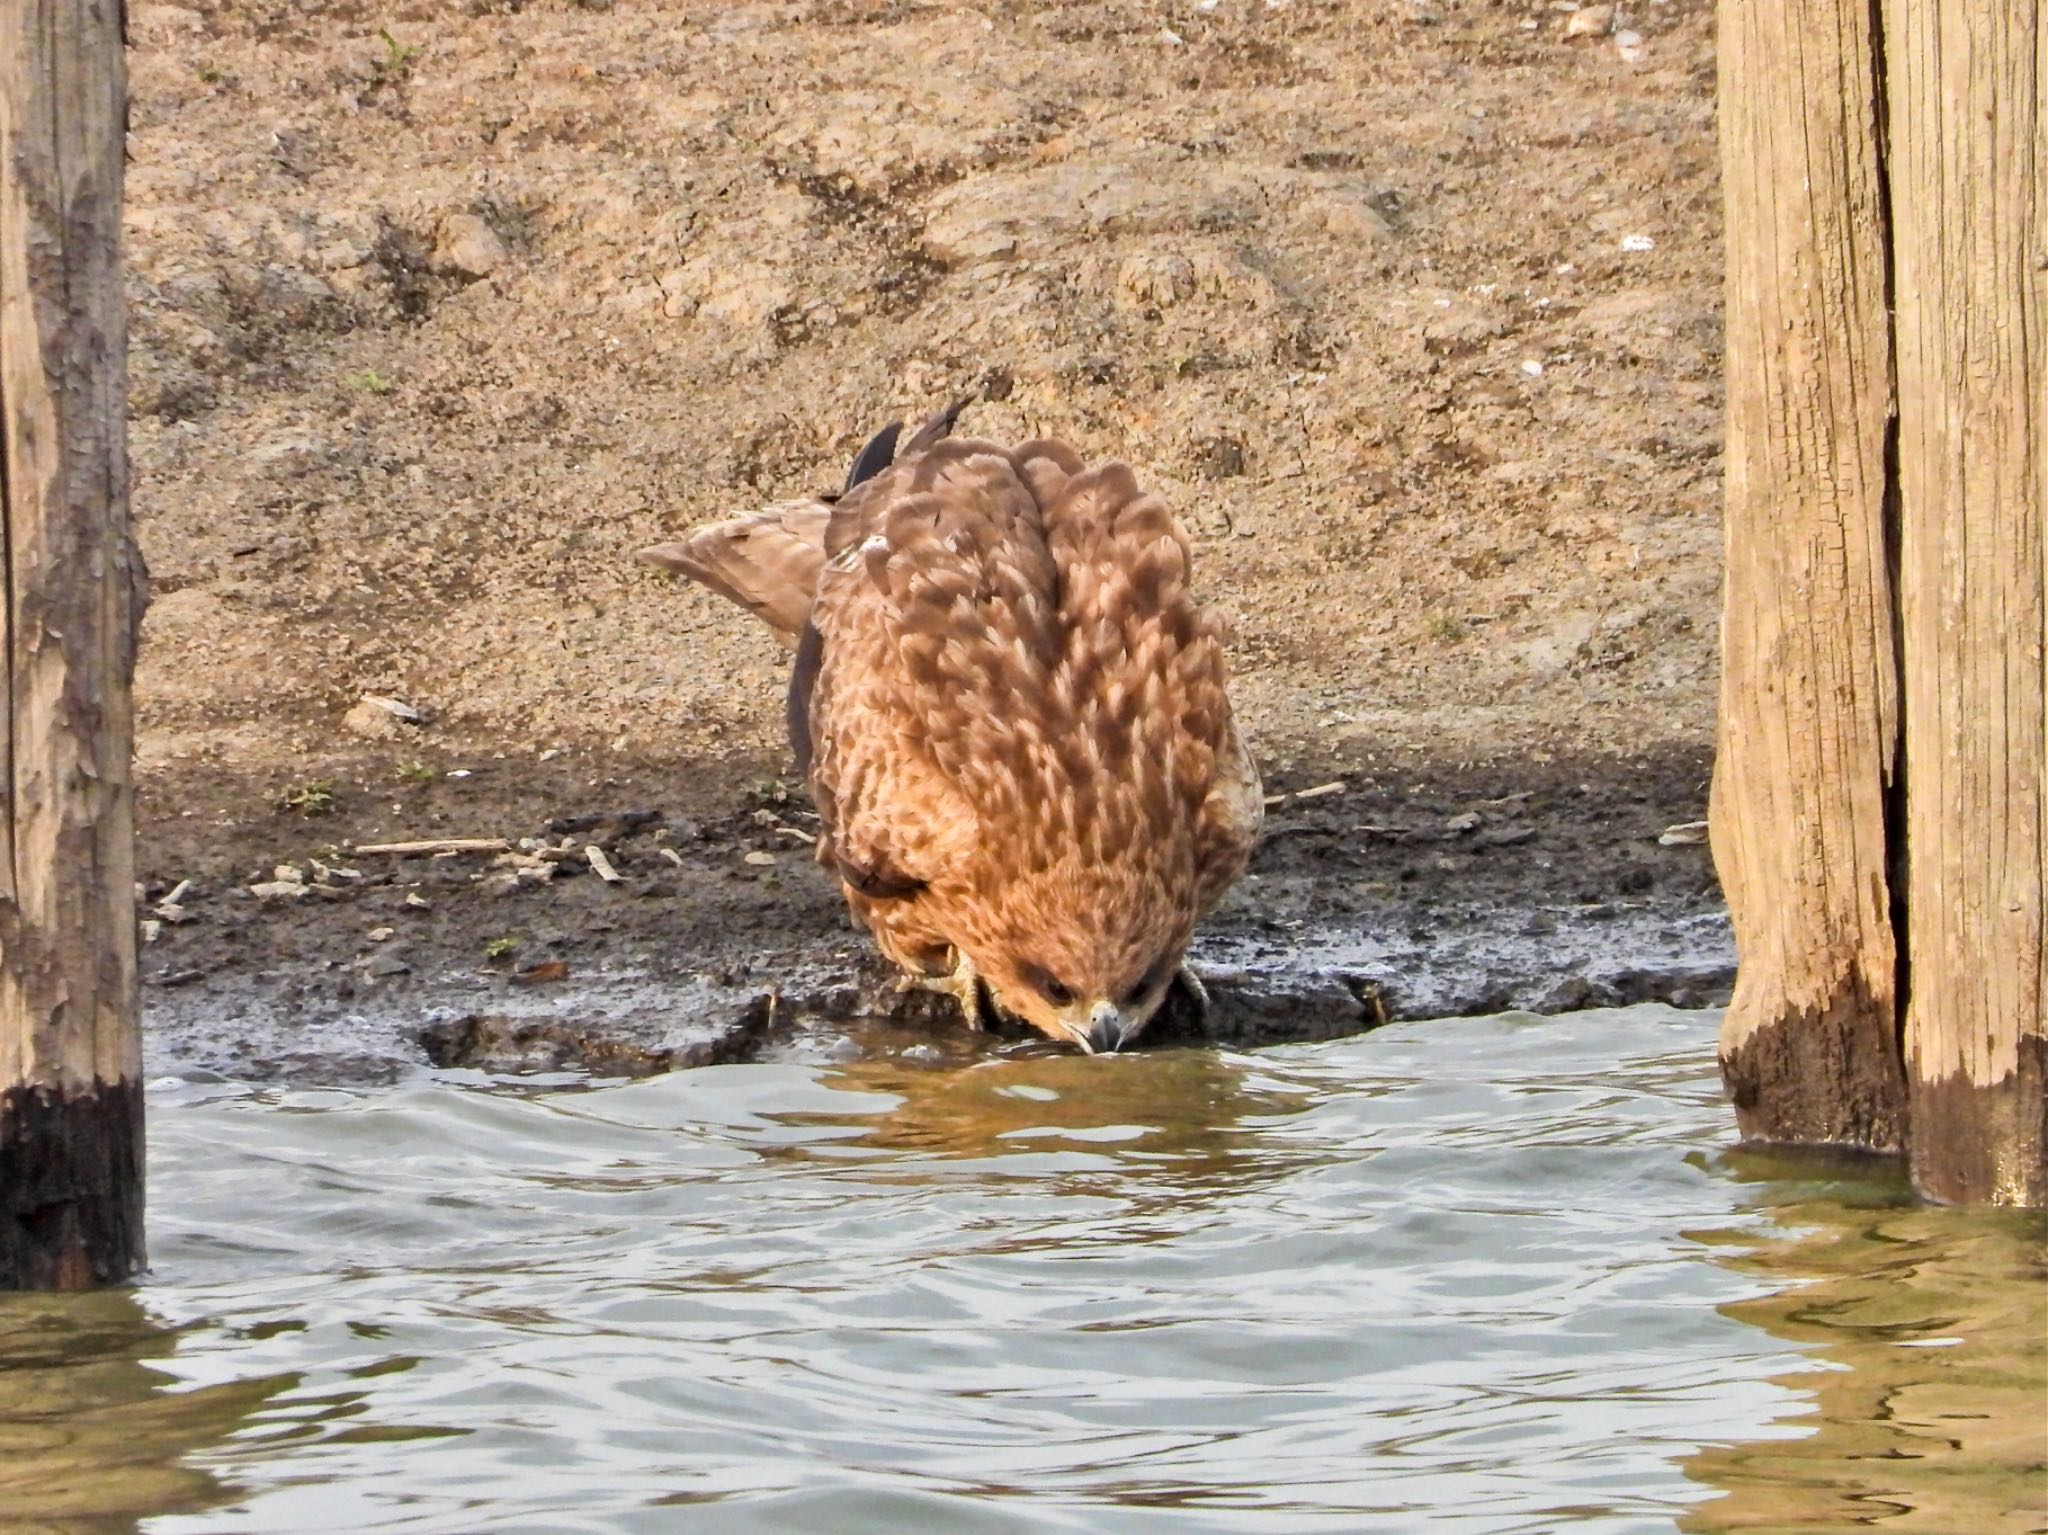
{"x": 1048, "y": 985}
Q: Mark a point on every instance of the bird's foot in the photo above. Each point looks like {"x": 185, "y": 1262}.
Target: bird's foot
{"x": 963, "y": 986}
{"x": 1191, "y": 983}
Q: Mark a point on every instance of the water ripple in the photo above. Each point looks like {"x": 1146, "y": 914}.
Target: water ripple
{"x": 1473, "y": 1274}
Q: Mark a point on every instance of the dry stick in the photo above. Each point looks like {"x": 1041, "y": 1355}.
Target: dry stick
{"x": 443, "y": 845}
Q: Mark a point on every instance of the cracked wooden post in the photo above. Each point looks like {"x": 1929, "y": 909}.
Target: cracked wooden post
{"x": 1969, "y": 156}
{"x": 1809, "y": 691}
{"x": 70, "y": 1044}
{"x": 1879, "y": 792}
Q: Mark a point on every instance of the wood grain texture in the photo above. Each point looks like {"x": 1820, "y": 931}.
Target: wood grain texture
{"x": 1809, "y": 703}
{"x": 69, "y": 1037}
{"x": 1970, "y": 174}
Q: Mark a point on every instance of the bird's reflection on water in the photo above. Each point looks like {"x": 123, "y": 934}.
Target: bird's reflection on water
{"x": 1202, "y": 1110}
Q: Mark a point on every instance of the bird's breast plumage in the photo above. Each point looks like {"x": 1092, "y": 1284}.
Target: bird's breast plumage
{"x": 1015, "y": 673}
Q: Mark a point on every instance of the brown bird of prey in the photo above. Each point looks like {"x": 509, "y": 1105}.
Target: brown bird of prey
{"x": 1012, "y": 715}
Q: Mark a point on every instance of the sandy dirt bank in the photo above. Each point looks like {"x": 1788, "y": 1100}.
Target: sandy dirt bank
{"x": 440, "y": 311}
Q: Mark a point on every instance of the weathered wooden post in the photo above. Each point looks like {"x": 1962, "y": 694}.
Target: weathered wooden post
{"x": 70, "y": 1045}
{"x": 1880, "y": 794}
{"x": 1969, "y": 153}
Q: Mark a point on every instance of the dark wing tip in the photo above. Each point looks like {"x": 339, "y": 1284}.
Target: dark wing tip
{"x": 936, "y": 430}
{"x": 803, "y": 681}
{"x": 878, "y": 455}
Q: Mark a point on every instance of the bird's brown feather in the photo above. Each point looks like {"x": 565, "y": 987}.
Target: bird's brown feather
{"x": 1020, "y": 742}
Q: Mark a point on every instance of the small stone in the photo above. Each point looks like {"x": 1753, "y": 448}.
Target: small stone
{"x": 289, "y": 873}
{"x": 378, "y": 934}
{"x": 280, "y": 890}
{"x": 416, "y": 901}
{"x": 1630, "y": 46}
{"x": 468, "y": 247}
{"x": 397, "y": 708}
{"x": 1684, "y": 834}
{"x": 761, "y": 860}
{"x": 1591, "y": 21}
{"x": 372, "y": 722}
{"x": 1467, "y": 821}
{"x": 385, "y": 964}
{"x": 151, "y": 930}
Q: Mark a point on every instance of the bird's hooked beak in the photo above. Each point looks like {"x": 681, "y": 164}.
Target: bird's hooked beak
{"x": 1102, "y": 1031}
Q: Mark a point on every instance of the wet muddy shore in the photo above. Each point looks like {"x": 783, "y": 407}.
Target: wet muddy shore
{"x": 647, "y": 916}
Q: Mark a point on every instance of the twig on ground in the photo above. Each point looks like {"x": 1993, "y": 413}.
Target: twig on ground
{"x": 439, "y": 846}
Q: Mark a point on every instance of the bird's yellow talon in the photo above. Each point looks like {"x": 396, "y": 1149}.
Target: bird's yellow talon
{"x": 963, "y": 986}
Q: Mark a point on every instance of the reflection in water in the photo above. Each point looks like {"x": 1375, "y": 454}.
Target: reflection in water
{"x": 1449, "y": 1276}
{"x": 1929, "y": 1377}
{"x": 90, "y": 1439}
{"x": 1192, "y": 1108}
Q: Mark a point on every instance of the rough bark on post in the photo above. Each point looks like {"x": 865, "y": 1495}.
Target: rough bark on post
{"x": 1970, "y": 232}
{"x": 1809, "y": 697}
{"x": 1881, "y": 799}
{"x": 70, "y": 1090}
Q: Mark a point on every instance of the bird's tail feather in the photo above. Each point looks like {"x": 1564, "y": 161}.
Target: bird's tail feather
{"x": 767, "y": 561}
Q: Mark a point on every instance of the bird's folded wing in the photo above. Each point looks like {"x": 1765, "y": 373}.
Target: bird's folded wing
{"x": 1228, "y": 823}
{"x": 767, "y": 561}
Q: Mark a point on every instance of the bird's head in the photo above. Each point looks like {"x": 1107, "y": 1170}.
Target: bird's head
{"x": 1084, "y": 955}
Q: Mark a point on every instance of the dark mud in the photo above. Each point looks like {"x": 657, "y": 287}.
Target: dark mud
{"x": 1406, "y": 893}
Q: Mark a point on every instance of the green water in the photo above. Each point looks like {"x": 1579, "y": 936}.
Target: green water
{"x": 1485, "y": 1275}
